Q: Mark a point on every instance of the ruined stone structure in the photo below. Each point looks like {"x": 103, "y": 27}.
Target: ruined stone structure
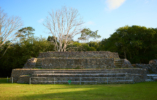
{"x": 151, "y": 67}
{"x": 79, "y": 67}
{"x": 72, "y": 60}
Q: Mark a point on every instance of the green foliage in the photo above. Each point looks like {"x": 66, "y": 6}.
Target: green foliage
{"x": 17, "y": 54}
{"x": 136, "y": 43}
{"x": 52, "y": 38}
{"x": 26, "y": 33}
{"x": 94, "y": 45}
{"x": 87, "y": 33}
{"x": 86, "y": 47}
{"x": 76, "y": 46}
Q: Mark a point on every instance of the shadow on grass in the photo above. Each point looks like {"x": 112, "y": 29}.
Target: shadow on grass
{"x": 138, "y": 91}
{"x": 76, "y": 94}
{"x": 101, "y": 92}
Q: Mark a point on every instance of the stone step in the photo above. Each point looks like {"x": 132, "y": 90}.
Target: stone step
{"x": 79, "y": 72}
{"x": 23, "y": 79}
{"x": 118, "y": 62}
{"x": 78, "y": 75}
{"x": 78, "y": 78}
{"x": 155, "y": 78}
{"x": 152, "y": 75}
{"x": 148, "y": 80}
{"x": 105, "y": 54}
{"x": 57, "y": 82}
{"x": 71, "y": 73}
{"x": 118, "y": 66}
{"x": 86, "y": 82}
{"x": 78, "y": 63}
{"x": 61, "y": 80}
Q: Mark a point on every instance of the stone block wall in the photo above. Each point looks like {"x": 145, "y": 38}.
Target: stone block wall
{"x": 75, "y": 63}
{"x": 102, "y": 54}
{"x": 31, "y": 63}
{"x": 138, "y": 73}
{"x": 148, "y": 67}
{"x": 17, "y": 72}
{"x": 89, "y": 59}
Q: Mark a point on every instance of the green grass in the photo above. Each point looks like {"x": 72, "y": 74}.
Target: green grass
{"x": 138, "y": 91}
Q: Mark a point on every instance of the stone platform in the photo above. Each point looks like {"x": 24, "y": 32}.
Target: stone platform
{"x": 73, "y": 60}
{"x": 93, "y": 67}
{"x": 87, "y": 76}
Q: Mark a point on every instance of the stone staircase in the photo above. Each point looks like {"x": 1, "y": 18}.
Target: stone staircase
{"x": 91, "y": 67}
{"x": 151, "y": 77}
{"x": 118, "y": 63}
{"x": 39, "y": 63}
{"x": 79, "y": 77}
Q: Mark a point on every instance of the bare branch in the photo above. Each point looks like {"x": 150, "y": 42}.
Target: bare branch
{"x": 64, "y": 24}
{"x": 8, "y": 27}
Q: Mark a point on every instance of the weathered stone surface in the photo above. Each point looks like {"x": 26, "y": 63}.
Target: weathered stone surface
{"x": 89, "y": 66}
{"x": 126, "y": 64}
{"x": 154, "y": 62}
{"x": 139, "y": 75}
{"x": 23, "y": 79}
{"x": 53, "y": 63}
{"x": 93, "y": 54}
{"x": 53, "y": 60}
{"x": 122, "y": 63}
{"x": 73, "y": 60}
{"x": 148, "y": 67}
{"x": 155, "y": 78}
{"x": 31, "y": 63}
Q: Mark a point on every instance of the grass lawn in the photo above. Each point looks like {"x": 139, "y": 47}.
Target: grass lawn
{"x": 137, "y": 91}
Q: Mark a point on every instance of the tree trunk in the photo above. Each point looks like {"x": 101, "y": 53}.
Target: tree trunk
{"x": 65, "y": 46}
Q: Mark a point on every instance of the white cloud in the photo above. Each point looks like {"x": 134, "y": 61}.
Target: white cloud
{"x": 89, "y": 23}
{"x": 114, "y": 4}
{"x": 40, "y": 20}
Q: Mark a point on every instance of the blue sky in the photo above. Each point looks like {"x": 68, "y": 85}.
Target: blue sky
{"x": 103, "y": 15}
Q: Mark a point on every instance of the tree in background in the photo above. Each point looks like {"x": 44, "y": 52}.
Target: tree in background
{"x": 87, "y": 33}
{"x": 76, "y": 46}
{"x": 8, "y": 28}
{"x": 26, "y": 32}
{"x": 136, "y": 43}
{"x": 95, "y": 45}
{"x": 52, "y": 39}
{"x": 63, "y": 24}
{"x": 18, "y": 54}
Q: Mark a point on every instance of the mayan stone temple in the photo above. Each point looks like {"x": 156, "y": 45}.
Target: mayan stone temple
{"x": 90, "y": 67}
